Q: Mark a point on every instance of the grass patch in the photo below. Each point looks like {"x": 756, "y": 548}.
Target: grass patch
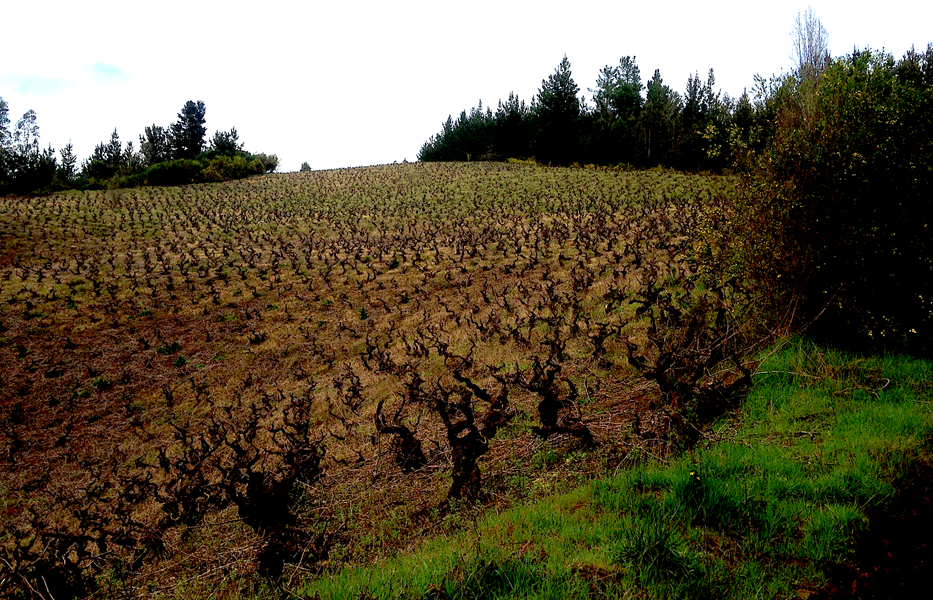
{"x": 778, "y": 496}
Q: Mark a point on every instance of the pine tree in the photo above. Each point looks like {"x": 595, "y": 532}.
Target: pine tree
{"x": 618, "y": 91}
{"x": 557, "y": 114}
{"x": 226, "y": 142}
{"x": 660, "y": 120}
{"x": 113, "y": 152}
{"x": 155, "y": 146}
{"x": 68, "y": 170}
{"x": 619, "y": 104}
{"x": 187, "y": 133}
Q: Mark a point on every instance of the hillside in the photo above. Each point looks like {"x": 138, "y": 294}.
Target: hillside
{"x": 249, "y": 384}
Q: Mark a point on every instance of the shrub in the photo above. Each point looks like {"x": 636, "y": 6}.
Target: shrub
{"x": 269, "y": 162}
{"x": 833, "y": 214}
{"x": 174, "y": 172}
{"x": 222, "y": 168}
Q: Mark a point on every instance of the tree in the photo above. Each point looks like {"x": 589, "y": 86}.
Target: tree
{"x": 269, "y": 162}
{"x": 699, "y": 102}
{"x": 155, "y": 146}
{"x": 619, "y": 103}
{"x": 618, "y": 91}
{"x": 743, "y": 117}
{"x": 511, "y": 130}
{"x": 68, "y": 169}
{"x": 26, "y": 134}
{"x": 810, "y": 53}
{"x": 305, "y": 167}
{"x": 473, "y": 136}
{"x": 810, "y": 46}
{"x": 132, "y": 161}
{"x": 226, "y": 143}
{"x": 660, "y": 119}
{"x": 5, "y": 136}
{"x": 187, "y": 133}
{"x": 557, "y": 115}
{"x": 5, "y": 140}
{"x": 113, "y": 151}
{"x": 699, "y": 124}
{"x": 23, "y": 167}
{"x": 105, "y": 161}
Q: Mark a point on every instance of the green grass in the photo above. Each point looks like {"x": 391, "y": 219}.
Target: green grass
{"x": 776, "y": 494}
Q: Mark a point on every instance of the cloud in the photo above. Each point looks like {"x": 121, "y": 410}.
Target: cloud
{"x": 27, "y": 84}
{"x": 106, "y": 73}
{"x": 100, "y": 73}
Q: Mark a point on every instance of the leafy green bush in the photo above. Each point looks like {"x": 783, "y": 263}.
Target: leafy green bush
{"x": 174, "y": 172}
{"x": 222, "y": 168}
{"x": 834, "y": 219}
{"x": 269, "y": 162}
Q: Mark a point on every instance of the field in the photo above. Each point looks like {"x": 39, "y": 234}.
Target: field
{"x": 257, "y": 383}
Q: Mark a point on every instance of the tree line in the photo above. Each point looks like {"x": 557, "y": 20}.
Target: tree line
{"x": 628, "y": 123}
{"x": 831, "y": 226}
{"x": 177, "y": 154}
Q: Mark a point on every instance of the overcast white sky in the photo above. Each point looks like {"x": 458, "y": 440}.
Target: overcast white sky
{"x": 342, "y": 84}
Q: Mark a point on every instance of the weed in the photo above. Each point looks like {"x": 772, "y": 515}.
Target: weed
{"x": 172, "y": 348}
{"x": 654, "y": 548}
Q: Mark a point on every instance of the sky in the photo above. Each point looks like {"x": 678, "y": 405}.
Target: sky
{"x": 352, "y": 83}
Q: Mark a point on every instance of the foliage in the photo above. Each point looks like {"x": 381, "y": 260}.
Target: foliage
{"x": 557, "y": 117}
{"x": 629, "y": 124}
{"x": 513, "y": 128}
{"x": 27, "y": 170}
{"x": 68, "y": 169}
{"x": 618, "y": 104}
{"x": 269, "y": 162}
{"x": 107, "y": 160}
{"x": 661, "y": 120}
{"x": 703, "y": 120}
{"x": 26, "y": 135}
{"x": 23, "y": 166}
{"x": 224, "y": 168}
{"x": 174, "y": 172}
{"x": 226, "y": 143}
{"x": 161, "y": 159}
{"x": 832, "y": 223}
{"x": 470, "y": 137}
{"x": 5, "y": 135}
{"x": 155, "y": 145}
{"x": 186, "y": 135}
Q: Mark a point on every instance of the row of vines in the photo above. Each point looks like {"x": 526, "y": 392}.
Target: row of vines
{"x": 260, "y": 375}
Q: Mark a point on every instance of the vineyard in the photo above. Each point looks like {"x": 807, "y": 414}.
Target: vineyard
{"x": 280, "y": 375}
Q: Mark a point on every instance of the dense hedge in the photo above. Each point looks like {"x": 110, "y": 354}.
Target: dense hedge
{"x": 184, "y": 171}
{"x": 837, "y": 221}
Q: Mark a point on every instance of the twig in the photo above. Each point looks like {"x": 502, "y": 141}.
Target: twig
{"x": 785, "y": 373}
